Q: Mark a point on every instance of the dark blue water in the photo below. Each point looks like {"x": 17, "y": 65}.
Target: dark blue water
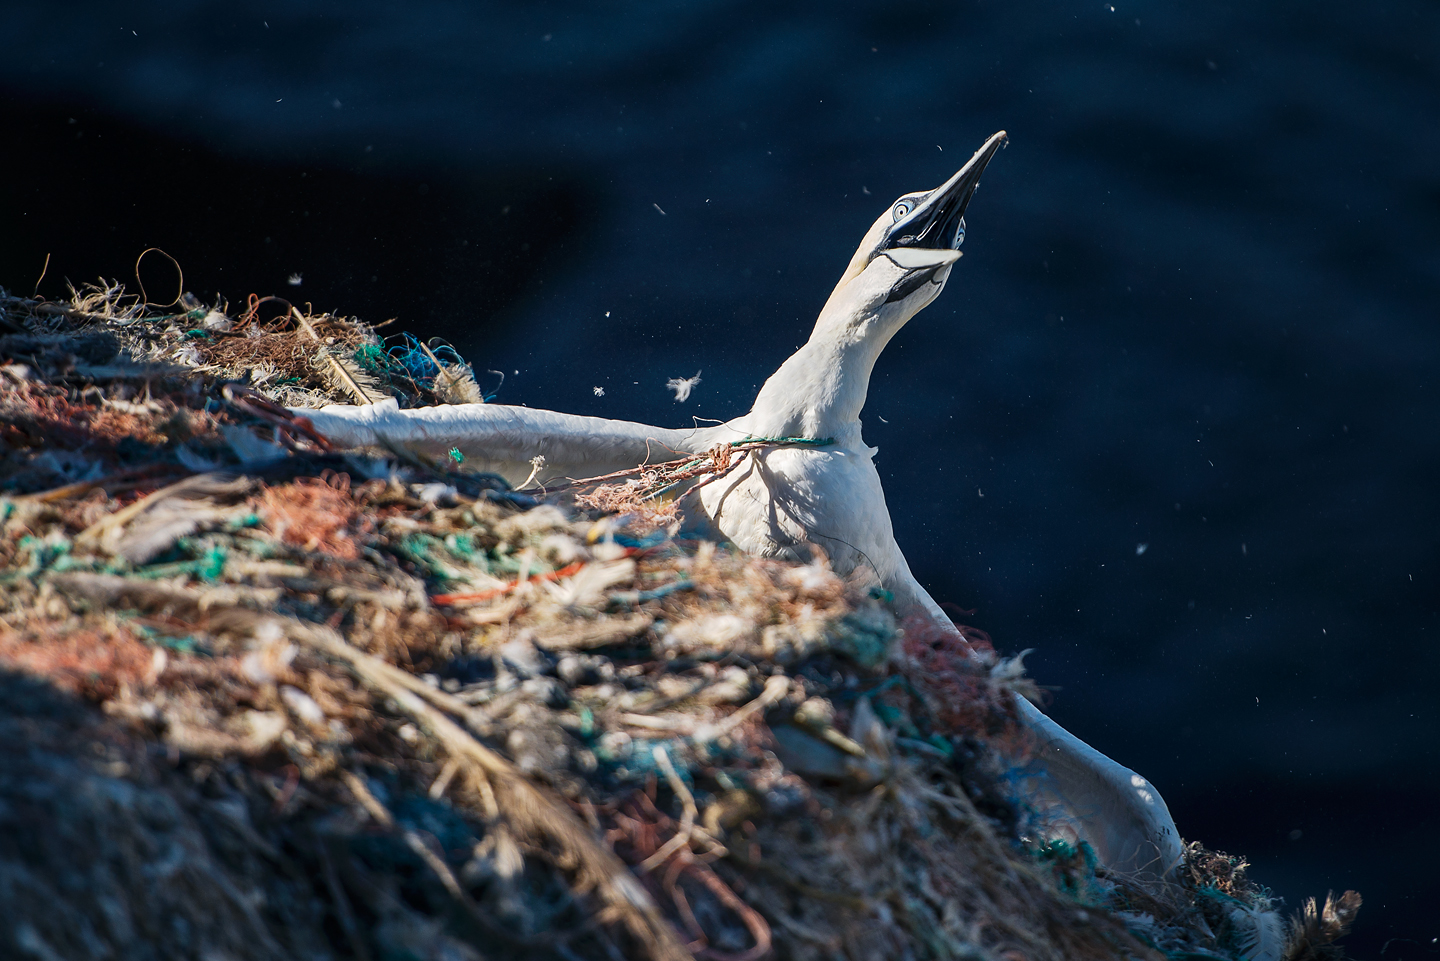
{"x": 1197, "y": 310}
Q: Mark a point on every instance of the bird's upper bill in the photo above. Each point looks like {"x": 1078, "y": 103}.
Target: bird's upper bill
{"x": 924, "y": 229}
{"x": 936, "y": 220}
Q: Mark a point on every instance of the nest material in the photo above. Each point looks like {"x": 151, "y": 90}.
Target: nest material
{"x": 359, "y": 707}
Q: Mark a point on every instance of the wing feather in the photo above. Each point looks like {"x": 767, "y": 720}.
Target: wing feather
{"x": 505, "y": 440}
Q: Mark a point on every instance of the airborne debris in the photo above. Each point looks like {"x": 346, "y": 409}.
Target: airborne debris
{"x": 682, "y": 386}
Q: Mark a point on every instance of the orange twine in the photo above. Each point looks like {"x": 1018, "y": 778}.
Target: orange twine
{"x": 449, "y": 599}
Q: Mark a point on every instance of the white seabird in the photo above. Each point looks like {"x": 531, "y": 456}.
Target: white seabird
{"x": 777, "y": 500}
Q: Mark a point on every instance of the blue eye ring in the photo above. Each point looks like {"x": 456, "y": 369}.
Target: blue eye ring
{"x": 901, "y": 209}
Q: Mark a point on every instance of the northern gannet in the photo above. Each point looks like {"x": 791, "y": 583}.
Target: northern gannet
{"x": 778, "y": 500}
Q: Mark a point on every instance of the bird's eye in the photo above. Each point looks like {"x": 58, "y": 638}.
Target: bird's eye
{"x": 901, "y": 209}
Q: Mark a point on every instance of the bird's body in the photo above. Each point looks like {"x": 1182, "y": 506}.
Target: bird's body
{"x": 776, "y": 501}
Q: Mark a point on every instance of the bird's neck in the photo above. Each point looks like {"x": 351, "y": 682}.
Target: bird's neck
{"x": 821, "y": 389}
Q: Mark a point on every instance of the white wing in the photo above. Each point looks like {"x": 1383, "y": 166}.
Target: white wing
{"x": 1094, "y": 799}
{"x": 505, "y": 440}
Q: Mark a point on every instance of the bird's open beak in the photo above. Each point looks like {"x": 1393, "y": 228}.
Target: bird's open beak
{"x": 937, "y": 222}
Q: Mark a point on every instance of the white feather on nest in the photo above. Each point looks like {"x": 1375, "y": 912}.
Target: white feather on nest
{"x": 1260, "y": 933}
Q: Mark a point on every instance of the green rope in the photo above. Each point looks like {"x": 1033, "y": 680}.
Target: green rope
{"x": 207, "y": 567}
{"x": 376, "y": 361}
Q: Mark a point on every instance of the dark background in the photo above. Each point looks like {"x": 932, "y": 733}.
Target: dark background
{"x": 1197, "y": 310}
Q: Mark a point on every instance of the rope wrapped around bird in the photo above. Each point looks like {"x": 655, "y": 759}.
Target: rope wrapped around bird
{"x": 643, "y": 485}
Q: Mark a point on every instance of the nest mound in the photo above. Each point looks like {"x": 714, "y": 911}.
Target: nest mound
{"x": 261, "y": 699}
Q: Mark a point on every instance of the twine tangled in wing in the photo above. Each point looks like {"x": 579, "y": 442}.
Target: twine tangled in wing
{"x": 640, "y": 490}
